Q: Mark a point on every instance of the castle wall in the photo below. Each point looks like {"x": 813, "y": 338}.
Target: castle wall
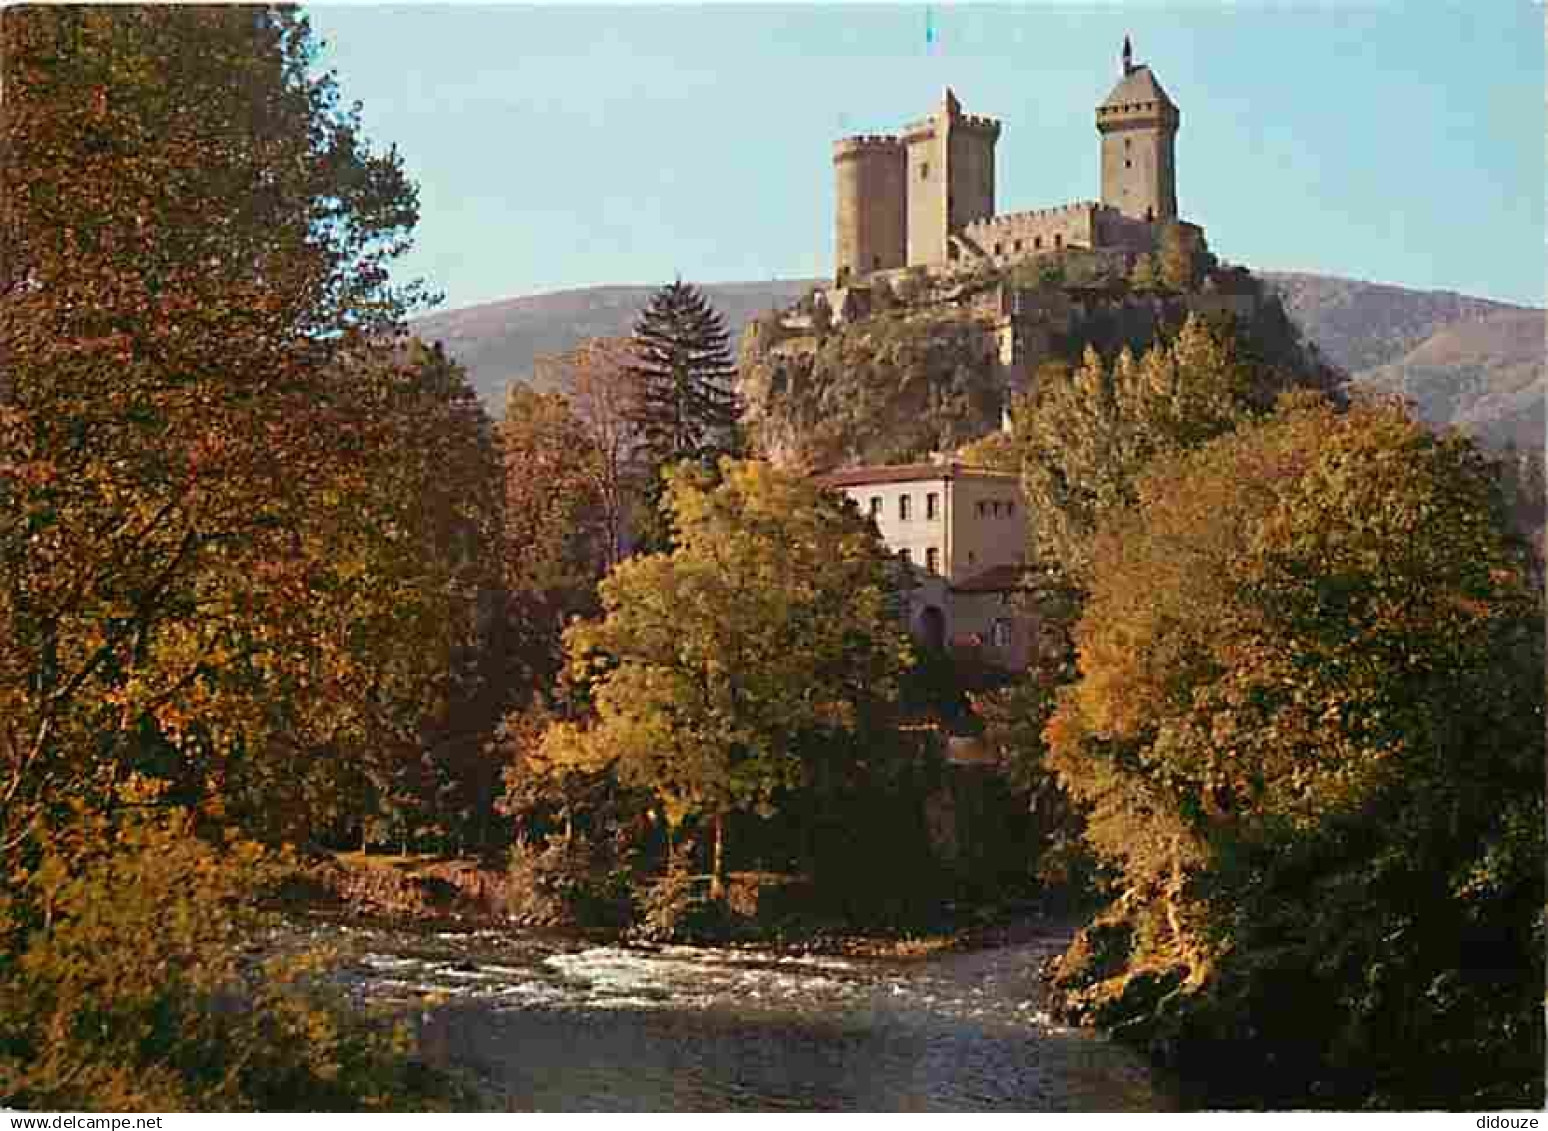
{"x": 871, "y": 205}
{"x": 1115, "y": 230}
{"x": 1017, "y": 235}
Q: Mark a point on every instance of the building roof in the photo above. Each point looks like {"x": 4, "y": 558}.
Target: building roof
{"x": 1139, "y": 85}
{"x": 995, "y": 579}
{"x": 908, "y": 473}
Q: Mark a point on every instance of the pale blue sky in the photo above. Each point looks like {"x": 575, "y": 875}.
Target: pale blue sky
{"x": 567, "y": 146}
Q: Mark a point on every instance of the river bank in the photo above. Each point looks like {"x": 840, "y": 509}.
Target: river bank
{"x": 759, "y": 910}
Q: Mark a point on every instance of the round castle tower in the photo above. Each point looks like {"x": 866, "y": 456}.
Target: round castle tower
{"x": 871, "y": 205}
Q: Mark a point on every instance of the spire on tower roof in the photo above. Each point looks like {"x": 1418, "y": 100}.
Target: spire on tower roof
{"x": 1128, "y": 56}
{"x": 1138, "y": 85}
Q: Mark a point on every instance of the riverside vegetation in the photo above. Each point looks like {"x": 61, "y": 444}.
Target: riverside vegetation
{"x": 275, "y": 588}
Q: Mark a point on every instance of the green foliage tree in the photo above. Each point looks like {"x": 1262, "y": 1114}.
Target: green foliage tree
{"x": 686, "y": 406}
{"x": 1086, "y": 435}
{"x": 755, "y": 660}
{"x": 1308, "y": 728}
{"x": 1178, "y": 259}
{"x": 1144, "y": 276}
{"x": 997, "y": 451}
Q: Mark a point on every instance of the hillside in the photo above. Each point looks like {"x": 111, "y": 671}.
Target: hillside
{"x": 497, "y": 341}
{"x": 1485, "y": 375}
{"x": 1465, "y": 360}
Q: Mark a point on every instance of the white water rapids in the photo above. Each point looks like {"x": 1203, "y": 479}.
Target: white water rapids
{"x": 559, "y": 1024}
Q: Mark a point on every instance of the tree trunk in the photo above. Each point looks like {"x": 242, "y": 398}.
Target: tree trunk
{"x": 718, "y": 861}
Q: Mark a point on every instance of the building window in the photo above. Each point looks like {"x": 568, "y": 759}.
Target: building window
{"x": 983, "y": 508}
{"x": 972, "y": 558}
{"x": 1127, "y": 164}
{"x": 924, "y": 171}
{"x": 998, "y": 249}
{"x": 932, "y": 506}
{"x": 1037, "y": 243}
{"x": 1128, "y": 141}
{"x": 876, "y": 505}
{"x": 906, "y": 556}
{"x": 1000, "y": 633}
{"x": 903, "y": 504}
{"x": 1018, "y": 245}
{"x": 1058, "y": 240}
{"x": 1010, "y": 510}
{"x": 933, "y": 560}
{"x": 876, "y": 262}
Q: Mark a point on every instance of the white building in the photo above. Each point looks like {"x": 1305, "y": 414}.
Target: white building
{"x": 964, "y": 531}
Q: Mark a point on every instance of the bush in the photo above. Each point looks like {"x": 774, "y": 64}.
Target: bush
{"x": 568, "y": 883}
{"x": 126, "y": 984}
{"x": 675, "y": 907}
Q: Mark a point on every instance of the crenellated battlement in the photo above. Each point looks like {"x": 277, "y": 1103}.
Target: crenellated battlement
{"x": 862, "y": 143}
{"x": 1138, "y": 113}
{"x": 1009, "y": 221}
{"x": 977, "y": 122}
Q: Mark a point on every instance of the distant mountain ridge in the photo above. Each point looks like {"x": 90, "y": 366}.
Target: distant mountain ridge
{"x": 1472, "y": 362}
{"x": 1463, "y": 360}
{"x": 498, "y": 341}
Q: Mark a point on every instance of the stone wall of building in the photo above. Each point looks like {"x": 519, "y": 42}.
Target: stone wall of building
{"x": 1115, "y": 230}
{"x": 927, "y": 190}
{"x": 970, "y": 193}
{"x": 1139, "y": 163}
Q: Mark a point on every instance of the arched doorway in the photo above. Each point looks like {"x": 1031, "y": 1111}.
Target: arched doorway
{"x": 932, "y": 627}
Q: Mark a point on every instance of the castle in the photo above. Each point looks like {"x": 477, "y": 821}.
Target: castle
{"x": 925, "y": 198}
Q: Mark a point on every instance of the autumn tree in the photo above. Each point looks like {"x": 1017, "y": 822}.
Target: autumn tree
{"x": 208, "y": 570}
{"x": 602, "y": 385}
{"x": 554, "y": 535}
{"x": 756, "y": 659}
{"x": 195, "y": 231}
{"x": 1308, "y": 729}
{"x": 1180, "y": 258}
{"x": 1086, "y": 434}
{"x": 404, "y": 555}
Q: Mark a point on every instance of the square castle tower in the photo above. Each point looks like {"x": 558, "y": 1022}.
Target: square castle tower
{"x": 926, "y": 198}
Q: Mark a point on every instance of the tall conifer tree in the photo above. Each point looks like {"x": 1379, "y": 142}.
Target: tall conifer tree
{"x": 688, "y": 406}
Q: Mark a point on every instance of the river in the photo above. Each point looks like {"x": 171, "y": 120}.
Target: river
{"x": 550, "y": 1023}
